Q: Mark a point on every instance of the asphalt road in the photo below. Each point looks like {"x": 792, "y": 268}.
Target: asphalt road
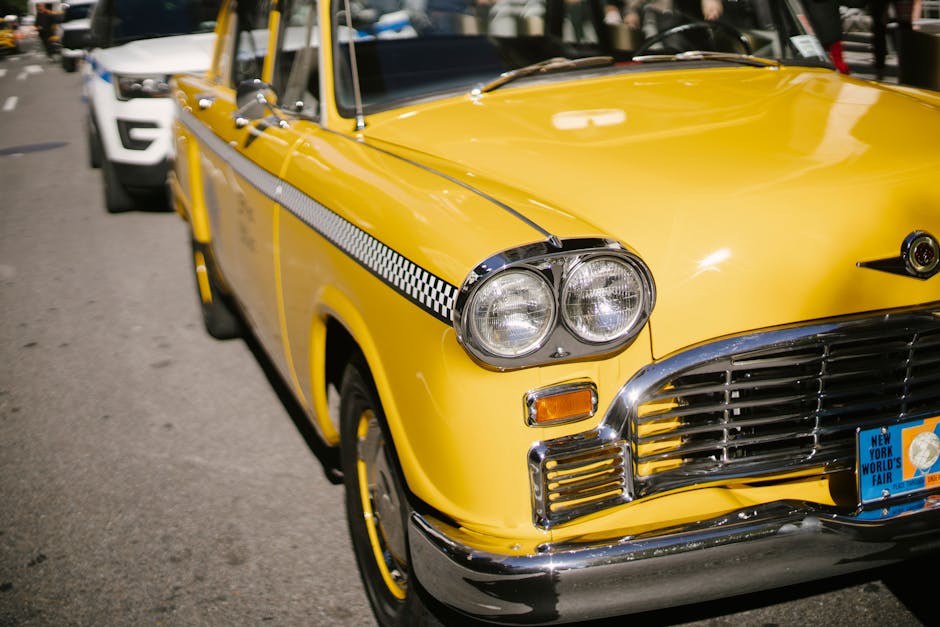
{"x": 150, "y": 475}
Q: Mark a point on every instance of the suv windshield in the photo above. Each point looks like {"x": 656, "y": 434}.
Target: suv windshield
{"x": 411, "y": 48}
{"x": 76, "y": 11}
{"x": 120, "y": 21}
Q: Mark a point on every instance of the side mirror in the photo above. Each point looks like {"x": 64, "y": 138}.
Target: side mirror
{"x": 255, "y": 99}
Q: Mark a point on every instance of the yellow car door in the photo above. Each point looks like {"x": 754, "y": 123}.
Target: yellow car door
{"x": 239, "y": 158}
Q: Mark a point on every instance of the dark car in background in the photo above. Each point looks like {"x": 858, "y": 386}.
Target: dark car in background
{"x": 74, "y": 32}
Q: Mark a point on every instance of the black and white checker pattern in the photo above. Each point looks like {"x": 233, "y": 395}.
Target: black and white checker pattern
{"x": 423, "y": 288}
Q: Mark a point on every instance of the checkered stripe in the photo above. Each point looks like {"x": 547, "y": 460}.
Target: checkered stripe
{"x": 428, "y": 291}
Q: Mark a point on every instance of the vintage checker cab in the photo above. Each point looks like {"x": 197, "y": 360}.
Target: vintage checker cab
{"x": 598, "y": 318}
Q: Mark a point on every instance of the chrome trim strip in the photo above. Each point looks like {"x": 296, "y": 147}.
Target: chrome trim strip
{"x": 744, "y": 551}
{"x": 425, "y": 289}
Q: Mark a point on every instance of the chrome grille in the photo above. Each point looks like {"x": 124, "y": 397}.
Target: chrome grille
{"x": 745, "y": 407}
{"x": 737, "y": 408}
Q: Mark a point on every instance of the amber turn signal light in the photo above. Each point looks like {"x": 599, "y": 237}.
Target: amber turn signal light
{"x": 558, "y": 404}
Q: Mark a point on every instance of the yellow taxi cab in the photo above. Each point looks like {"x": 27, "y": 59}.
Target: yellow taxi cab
{"x": 9, "y": 42}
{"x": 600, "y": 319}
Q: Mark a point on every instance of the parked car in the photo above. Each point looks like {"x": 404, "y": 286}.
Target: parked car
{"x": 134, "y": 48}
{"x": 598, "y": 321}
{"x": 74, "y": 30}
{"x": 9, "y": 43}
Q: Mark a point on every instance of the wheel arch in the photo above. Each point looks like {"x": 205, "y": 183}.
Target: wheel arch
{"x": 341, "y": 335}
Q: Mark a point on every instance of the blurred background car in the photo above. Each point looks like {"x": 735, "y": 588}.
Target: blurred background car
{"x": 9, "y": 44}
{"x": 74, "y": 31}
{"x": 134, "y": 46}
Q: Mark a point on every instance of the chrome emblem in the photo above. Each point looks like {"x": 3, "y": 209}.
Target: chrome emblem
{"x": 919, "y": 258}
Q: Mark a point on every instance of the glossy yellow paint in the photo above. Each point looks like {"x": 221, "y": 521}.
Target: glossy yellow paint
{"x": 627, "y": 157}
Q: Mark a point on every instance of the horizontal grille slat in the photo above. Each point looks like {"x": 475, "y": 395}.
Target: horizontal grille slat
{"x": 718, "y": 406}
{"x": 688, "y": 431}
{"x": 701, "y": 389}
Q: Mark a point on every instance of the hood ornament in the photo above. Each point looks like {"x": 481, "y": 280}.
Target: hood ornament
{"x": 919, "y": 258}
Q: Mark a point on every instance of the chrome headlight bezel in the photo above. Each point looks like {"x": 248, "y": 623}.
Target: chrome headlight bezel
{"x": 555, "y": 262}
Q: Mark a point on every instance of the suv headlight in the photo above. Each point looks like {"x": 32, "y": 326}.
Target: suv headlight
{"x": 147, "y": 86}
{"x": 545, "y": 304}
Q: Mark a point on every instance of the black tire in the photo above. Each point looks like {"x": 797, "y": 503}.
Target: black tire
{"x": 377, "y": 507}
{"x": 220, "y": 319}
{"x": 68, "y": 64}
{"x": 116, "y": 197}
{"x": 95, "y": 151}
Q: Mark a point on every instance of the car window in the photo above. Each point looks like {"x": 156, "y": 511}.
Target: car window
{"x": 122, "y": 21}
{"x": 412, "y": 48}
{"x": 296, "y": 71}
{"x": 250, "y": 26}
{"x": 76, "y": 11}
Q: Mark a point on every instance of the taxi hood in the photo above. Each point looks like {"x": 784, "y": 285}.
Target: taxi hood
{"x": 752, "y": 194}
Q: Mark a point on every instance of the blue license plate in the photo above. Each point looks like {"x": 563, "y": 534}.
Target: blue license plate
{"x": 898, "y": 459}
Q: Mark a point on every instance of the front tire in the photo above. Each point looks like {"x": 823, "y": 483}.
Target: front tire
{"x": 95, "y": 150}
{"x": 116, "y": 197}
{"x": 68, "y": 64}
{"x": 377, "y": 508}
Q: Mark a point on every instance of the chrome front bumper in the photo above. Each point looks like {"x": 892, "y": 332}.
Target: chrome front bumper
{"x": 746, "y": 551}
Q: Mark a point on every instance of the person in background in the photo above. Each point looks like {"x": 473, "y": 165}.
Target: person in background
{"x": 655, "y": 16}
{"x": 906, "y": 12}
{"x": 47, "y": 20}
{"x": 826, "y": 20}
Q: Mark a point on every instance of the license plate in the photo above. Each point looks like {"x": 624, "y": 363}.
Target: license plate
{"x": 898, "y": 459}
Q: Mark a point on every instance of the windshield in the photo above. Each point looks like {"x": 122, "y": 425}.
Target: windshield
{"x": 76, "y": 11}
{"x": 406, "y": 49}
{"x": 128, "y": 20}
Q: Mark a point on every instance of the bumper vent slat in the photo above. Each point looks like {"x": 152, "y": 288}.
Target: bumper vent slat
{"x": 574, "y": 480}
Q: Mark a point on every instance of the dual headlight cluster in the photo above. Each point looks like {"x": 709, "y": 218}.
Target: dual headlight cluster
{"x": 543, "y": 304}
{"x": 145, "y": 86}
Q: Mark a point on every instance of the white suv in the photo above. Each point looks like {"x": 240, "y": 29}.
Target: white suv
{"x": 135, "y": 47}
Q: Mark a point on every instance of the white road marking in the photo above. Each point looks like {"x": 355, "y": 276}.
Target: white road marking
{"x": 10, "y": 103}
{"x": 29, "y": 69}
{"x": 3, "y": 73}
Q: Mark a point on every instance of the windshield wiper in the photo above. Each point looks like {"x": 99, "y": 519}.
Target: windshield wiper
{"x": 555, "y": 64}
{"x": 704, "y": 55}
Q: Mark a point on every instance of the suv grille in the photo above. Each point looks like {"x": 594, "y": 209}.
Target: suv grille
{"x": 771, "y": 402}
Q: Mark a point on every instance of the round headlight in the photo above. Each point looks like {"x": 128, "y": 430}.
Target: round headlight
{"x": 512, "y": 313}
{"x": 603, "y": 298}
